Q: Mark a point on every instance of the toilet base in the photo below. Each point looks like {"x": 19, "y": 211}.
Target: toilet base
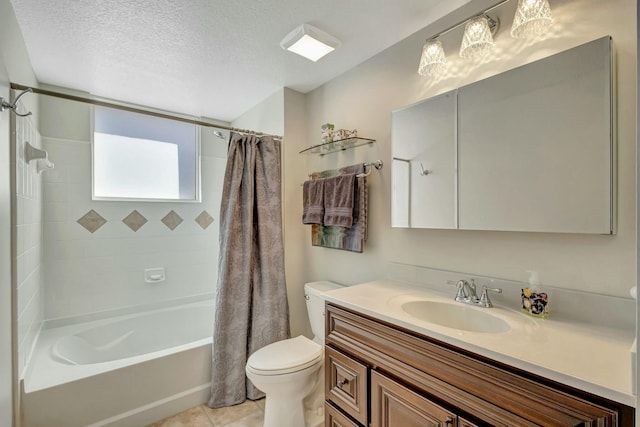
{"x": 283, "y": 412}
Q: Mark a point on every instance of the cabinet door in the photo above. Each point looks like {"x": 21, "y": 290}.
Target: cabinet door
{"x": 424, "y": 164}
{"x": 465, "y": 423}
{"x": 393, "y": 405}
{"x": 346, "y": 384}
{"x": 334, "y": 418}
{"x": 535, "y": 146}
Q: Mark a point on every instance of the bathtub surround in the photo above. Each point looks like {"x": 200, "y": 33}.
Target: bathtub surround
{"x": 92, "y": 221}
{"x": 251, "y": 305}
{"x": 29, "y": 256}
{"x": 96, "y": 274}
{"x": 14, "y": 65}
{"x": 135, "y": 220}
{"x": 161, "y": 364}
{"x": 103, "y": 271}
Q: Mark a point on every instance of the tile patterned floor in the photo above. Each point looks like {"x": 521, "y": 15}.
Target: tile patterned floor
{"x": 247, "y": 414}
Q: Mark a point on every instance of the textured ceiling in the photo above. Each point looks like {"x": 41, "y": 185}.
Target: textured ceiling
{"x": 211, "y": 58}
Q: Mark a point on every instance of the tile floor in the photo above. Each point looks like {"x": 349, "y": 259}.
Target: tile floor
{"x": 247, "y": 414}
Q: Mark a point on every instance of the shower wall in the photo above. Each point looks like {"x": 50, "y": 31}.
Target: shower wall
{"x": 96, "y": 252}
{"x": 29, "y": 250}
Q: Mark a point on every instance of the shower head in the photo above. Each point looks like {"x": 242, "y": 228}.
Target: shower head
{"x": 219, "y": 134}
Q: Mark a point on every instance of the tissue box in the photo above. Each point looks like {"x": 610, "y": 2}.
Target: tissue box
{"x": 535, "y": 303}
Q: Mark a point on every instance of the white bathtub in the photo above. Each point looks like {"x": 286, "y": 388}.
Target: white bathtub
{"x": 124, "y": 371}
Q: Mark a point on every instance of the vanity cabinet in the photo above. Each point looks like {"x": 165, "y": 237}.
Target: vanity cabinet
{"x": 379, "y": 375}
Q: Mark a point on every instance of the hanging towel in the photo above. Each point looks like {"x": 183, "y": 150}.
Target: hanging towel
{"x": 338, "y": 200}
{"x": 350, "y": 239}
{"x": 313, "y": 201}
{"x": 356, "y": 169}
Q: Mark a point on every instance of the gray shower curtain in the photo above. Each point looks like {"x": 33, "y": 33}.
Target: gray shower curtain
{"x": 251, "y": 306}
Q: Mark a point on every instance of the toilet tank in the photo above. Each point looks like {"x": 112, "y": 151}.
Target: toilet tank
{"x": 314, "y": 294}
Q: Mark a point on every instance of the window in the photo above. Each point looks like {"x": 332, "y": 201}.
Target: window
{"x": 142, "y": 157}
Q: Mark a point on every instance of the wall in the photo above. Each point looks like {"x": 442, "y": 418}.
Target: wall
{"x": 89, "y": 272}
{"x": 29, "y": 248}
{"x": 15, "y": 66}
{"x": 6, "y": 318}
{"x": 364, "y": 97}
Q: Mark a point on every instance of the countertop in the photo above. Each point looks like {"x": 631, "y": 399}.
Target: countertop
{"x": 588, "y": 357}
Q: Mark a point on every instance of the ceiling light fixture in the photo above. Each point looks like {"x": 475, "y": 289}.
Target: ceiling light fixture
{"x": 433, "y": 61}
{"x": 477, "y": 40}
{"x": 310, "y": 42}
{"x": 533, "y": 17}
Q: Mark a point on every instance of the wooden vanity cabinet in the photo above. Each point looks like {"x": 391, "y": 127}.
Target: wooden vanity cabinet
{"x": 379, "y": 375}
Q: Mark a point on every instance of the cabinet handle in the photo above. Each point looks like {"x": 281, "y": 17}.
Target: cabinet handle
{"x": 342, "y": 382}
{"x": 449, "y": 421}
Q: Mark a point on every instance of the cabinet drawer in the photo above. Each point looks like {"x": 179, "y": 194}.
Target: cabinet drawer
{"x": 393, "y": 405}
{"x": 346, "y": 384}
{"x": 335, "y": 418}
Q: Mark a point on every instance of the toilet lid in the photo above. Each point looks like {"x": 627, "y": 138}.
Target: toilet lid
{"x": 285, "y": 356}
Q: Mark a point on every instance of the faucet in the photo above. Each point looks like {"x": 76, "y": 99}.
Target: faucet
{"x": 466, "y": 293}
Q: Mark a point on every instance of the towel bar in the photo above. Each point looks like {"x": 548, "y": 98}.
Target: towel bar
{"x": 375, "y": 164}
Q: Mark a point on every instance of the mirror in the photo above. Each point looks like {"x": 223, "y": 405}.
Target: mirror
{"x": 424, "y": 166}
{"x": 530, "y": 149}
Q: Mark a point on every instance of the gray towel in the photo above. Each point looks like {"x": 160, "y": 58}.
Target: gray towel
{"x": 313, "y": 201}
{"x": 338, "y": 200}
{"x": 359, "y": 182}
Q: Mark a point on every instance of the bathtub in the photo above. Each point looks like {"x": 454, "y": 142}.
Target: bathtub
{"x": 128, "y": 370}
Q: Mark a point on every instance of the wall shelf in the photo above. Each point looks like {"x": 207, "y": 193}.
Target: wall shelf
{"x": 339, "y": 145}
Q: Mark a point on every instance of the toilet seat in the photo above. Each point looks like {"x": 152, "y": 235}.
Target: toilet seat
{"x": 284, "y": 357}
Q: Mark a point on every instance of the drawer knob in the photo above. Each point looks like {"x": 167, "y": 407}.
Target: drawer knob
{"x": 449, "y": 421}
{"x": 342, "y": 382}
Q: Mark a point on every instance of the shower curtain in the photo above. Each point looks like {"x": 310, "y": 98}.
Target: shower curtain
{"x": 251, "y": 306}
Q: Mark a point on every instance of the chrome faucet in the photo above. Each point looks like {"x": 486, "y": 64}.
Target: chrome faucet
{"x": 466, "y": 293}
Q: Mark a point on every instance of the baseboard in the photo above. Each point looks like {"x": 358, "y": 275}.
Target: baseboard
{"x": 159, "y": 409}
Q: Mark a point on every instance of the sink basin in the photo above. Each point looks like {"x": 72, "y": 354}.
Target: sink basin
{"x": 456, "y": 316}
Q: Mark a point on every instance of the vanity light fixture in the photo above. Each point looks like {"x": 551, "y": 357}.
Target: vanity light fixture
{"x": 433, "y": 61}
{"x": 477, "y": 40}
{"x": 310, "y": 42}
{"x": 533, "y": 17}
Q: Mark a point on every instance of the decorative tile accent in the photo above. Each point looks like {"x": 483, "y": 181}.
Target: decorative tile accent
{"x": 204, "y": 220}
{"x": 172, "y": 220}
{"x": 92, "y": 220}
{"x": 135, "y": 220}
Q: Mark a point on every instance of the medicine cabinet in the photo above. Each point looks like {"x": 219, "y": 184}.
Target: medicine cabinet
{"x": 530, "y": 149}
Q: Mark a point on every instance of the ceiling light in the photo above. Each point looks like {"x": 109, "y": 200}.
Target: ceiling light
{"x": 433, "y": 61}
{"x": 532, "y": 18}
{"x": 310, "y": 42}
{"x": 477, "y": 39}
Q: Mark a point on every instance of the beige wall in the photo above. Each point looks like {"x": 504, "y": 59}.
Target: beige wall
{"x": 296, "y": 256}
{"x": 364, "y": 97}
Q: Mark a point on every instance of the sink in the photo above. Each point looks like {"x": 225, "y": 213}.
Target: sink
{"x": 456, "y": 316}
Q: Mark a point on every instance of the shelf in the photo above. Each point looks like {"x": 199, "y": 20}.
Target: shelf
{"x": 339, "y": 145}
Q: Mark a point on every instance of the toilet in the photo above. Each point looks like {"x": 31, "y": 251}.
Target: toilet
{"x": 287, "y": 371}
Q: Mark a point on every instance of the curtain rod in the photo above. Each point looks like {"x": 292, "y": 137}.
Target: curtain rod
{"x": 131, "y": 109}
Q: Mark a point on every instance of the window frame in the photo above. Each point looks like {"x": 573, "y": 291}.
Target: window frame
{"x": 198, "y": 168}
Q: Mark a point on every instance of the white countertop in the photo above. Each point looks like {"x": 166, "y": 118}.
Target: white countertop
{"x": 588, "y": 357}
